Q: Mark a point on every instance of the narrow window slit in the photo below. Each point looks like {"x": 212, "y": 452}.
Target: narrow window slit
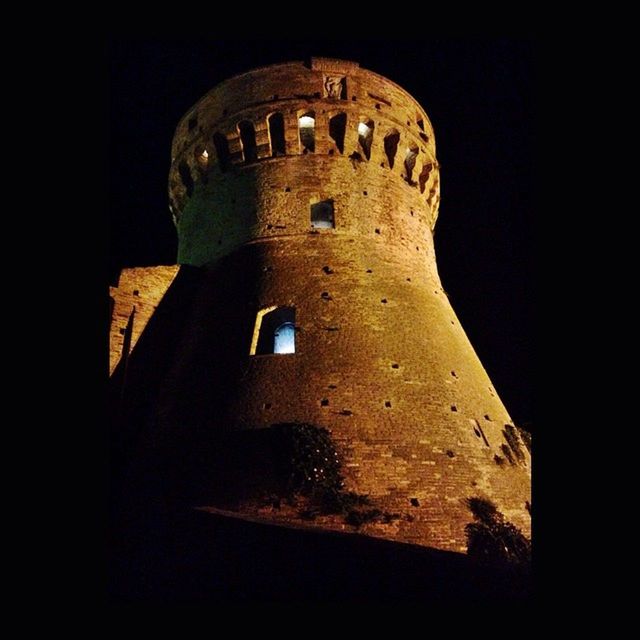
{"x": 276, "y": 134}
{"x": 307, "y": 131}
{"x": 248, "y": 140}
{"x": 337, "y": 129}
{"x": 365, "y": 136}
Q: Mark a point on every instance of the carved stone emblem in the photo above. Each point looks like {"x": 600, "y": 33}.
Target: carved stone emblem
{"x": 333, "y": 86}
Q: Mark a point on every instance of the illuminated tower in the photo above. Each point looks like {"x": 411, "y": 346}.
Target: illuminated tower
{"x": 306, "y": 195}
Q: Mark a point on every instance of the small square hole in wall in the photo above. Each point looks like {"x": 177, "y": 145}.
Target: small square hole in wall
{"x": 193, "y": 123}
{"x": 324, "y": 402}
{"x": 415, "y": 502}
{"x": 486, "y": 417}
{"x": 322, "y": 215}
{"x": 453, "y": 407}
{"x": 387, "y": 404}
{"x": 136, "y": 292}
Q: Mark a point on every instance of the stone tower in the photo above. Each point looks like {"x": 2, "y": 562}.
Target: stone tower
{"x": 305, "y": 198}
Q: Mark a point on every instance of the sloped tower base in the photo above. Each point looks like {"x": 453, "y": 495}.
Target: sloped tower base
{"x": 311, "y": 192}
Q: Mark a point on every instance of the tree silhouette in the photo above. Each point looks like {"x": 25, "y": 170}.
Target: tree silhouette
{"x": 494, "y": 540}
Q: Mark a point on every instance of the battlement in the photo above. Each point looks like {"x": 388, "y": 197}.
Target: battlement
{"x": 329, "y": 119}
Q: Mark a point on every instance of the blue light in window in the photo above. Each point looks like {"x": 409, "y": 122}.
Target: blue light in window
{"x": 285, "y": 338}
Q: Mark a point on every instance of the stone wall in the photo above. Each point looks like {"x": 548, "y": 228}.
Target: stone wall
{"x": 140, "y": 288}
{"x": 380, "y": 357}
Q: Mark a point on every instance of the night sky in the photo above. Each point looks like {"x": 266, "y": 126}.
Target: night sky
{"x": 480, "y": 98}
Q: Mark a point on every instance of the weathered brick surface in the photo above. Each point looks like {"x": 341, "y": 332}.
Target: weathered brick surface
{"x": 141, "y": 288}
{"x": 249, "y": 228}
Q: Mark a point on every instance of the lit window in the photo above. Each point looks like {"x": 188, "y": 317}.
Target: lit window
{"x": 284, "y": 340}
{"x": 274, "y": 332}
{"x": 410, "y": 161}
{"x": 307, "y": 128}
{"x": 322, "y": 215}
{"x": 365, "y": 137}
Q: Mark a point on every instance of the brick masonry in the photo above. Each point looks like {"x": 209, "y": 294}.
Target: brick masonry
{"x": 381, "y": 359}
{"x": 140, "y": 288}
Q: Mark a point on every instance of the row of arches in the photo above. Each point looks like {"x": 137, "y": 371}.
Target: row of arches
{"x": 246, "y": 146}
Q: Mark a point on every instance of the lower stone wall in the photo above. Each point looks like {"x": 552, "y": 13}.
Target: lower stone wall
{"x": 140, "y": 288}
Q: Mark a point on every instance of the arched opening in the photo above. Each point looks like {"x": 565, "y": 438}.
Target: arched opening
{"x": 322, "y": 215}
{"x": 307, "y": 130}
{"x": 248, "y": 139}
{"x": 391, "y": 141}
{"x": 410, "y": 162}
{"x": 365, "y": 136}
{"x": 276, "y": 134}
{"x": 424, "y": 176}
{"x": 221, "y": 144}
{"x": 185, "y": 176}
{"x": 337, "y": 129}
{"x": 274, "y": 331}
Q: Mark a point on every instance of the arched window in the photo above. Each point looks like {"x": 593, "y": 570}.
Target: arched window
{"x": 248, "y": 139}
{"x": 391, "y": 141}
{"x": 185, "y": 176}
{"x": 276, "y": 134}
{"x": 410, "y": 162}
{"x": 274, "y": 332}
{"x": 307, "y": 130}
{"x": 337, "y": 128}
{"x": 221, "y": 144}
{"x": 365, "y": 136}
{"x": 424, "y": 176}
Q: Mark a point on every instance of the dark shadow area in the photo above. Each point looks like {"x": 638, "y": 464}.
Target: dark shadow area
{"x": 190, "y": 556}
{"x": 337, "y": 129}
{"x": 276, "y": 134}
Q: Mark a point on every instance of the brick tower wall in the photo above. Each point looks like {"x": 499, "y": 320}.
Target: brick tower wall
{"x": 381, "y": 359}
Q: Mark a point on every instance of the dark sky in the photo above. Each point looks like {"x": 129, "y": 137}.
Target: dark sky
{"x": 479, "y": 96}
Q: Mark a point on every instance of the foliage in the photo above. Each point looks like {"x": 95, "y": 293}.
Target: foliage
{"x": 311, "y": 467}
{"x": 526, "y": 437}
{"x": 309, "y": 459}
{"x": 511, "y": 436}
{"x": 494, "y": 540}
